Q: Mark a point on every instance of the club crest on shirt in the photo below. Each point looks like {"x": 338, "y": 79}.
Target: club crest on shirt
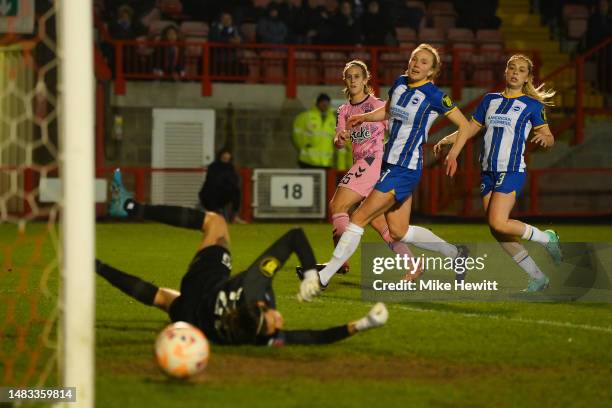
{"x": 447, "y": 101}
{"x": 415, "y": 101}
{"x": 367, "y": 107}
{"x": 268, "y": 266}
{"x": 543, "y": 115}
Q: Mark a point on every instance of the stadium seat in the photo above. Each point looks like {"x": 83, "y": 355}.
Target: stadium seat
{"x": 360, "y": 55}
{"x": 438, "y": 8}
{"x": 576, "y": 28}
{"x": 489, "y": 36}
{"x": 443, "y": 22}
{"x": 441, "y": 14}
{"x": 415, "y": 4}
{"x": 171, "y": 7}
{"x": 575, "y": 11}
{"x": 156, "y": 27}
{"x": 261, "y": 3}
{"x": 273, "y": 63}
{"x": 193, "y": 54}
{"x": 433, "y": 36}
{"x": 150, "y": 17}
{"x": 251, "y": 60}
{"x": 249, "y": 32}
{"x": 307, "y": 67}
{"x": 333, "y": 63}
{"x": 405, "y": 34}
{"x": 408, "y": 45}
{"x": 195, "y": 29}
{"x": 392, "y": 65}
{"x": 462, "y": 35}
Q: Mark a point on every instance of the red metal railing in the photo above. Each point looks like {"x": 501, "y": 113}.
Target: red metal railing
{"x": 293, "y": 65}
{"x": 434, "y": 189}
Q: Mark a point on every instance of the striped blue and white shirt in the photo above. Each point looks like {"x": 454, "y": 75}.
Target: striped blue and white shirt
{"x": 412, "y": 110}
{"x": 508, "y": 122}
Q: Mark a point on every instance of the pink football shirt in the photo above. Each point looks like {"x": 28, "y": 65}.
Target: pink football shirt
{"x": 368, "y": 138}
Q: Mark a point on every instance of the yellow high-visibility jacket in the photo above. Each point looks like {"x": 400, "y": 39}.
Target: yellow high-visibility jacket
{"x": 314, "y": 139}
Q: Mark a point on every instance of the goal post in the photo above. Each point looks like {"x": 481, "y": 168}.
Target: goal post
{"x": 76, "y": 85}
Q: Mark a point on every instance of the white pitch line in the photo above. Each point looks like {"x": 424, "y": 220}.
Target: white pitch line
{"x": 542, "y": 322}
{"x": 555, "y": 323}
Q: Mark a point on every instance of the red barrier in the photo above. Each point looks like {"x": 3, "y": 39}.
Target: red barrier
{"x": 291, "y": 64}
{"x": 432, "y": 189}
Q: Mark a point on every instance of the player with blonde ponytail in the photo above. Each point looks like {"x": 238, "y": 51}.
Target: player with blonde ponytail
{"x": 368, "y": 146}
{"x": 508, "y": 118}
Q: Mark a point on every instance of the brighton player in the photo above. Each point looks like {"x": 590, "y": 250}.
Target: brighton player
{"x": 508, "y": 118}
{"x": 414, "y": 103}
{"x": 230, "y": 310}
{"x": 367, "y": 144}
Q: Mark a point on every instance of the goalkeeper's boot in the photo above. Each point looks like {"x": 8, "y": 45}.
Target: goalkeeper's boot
{"x": 462, "y": 252}
{"x": 300, "y": 273}
{"x": 119, "y": 195}
{"x": 537, "y": 285}
{"x": 553, "y": 247}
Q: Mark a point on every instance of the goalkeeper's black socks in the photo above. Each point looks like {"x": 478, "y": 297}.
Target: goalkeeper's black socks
{"x": 133, "y": 286}
{"x": 172, "y": 215}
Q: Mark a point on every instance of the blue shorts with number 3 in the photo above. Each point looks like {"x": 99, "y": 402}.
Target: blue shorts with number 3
{"x": 398, "y": 180}
{"x": 502, "y": 182}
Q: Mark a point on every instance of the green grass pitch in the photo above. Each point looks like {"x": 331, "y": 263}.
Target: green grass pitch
{"x": 434, "y": 354}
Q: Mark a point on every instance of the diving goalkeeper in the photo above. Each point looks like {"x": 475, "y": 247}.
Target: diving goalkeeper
{"x": 230, "y": 310}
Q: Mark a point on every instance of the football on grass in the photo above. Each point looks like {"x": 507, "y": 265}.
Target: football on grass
{"x": 181, "y": 350}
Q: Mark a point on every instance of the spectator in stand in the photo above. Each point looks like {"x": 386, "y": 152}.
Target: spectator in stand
{"x": 599, "y": 28}
{"x": 409, "y": 16}
{"x": 271, "y": 29}
{"x": 225, "y": 60}
{"x": 376, "y": 26}
{"x": 124, "y": 27}
{"x": 221, "y": 189}
{"x": 282, "y": 6}
{"x": 224, "y": 30}
{"x": 329, "y": 13}
{"x": 297, "y": 22}
{"x": 313, "y": 20}
{"x": 346, "y": 28}
{"x": 478, "y": 14}
{"x": 599, "y": 25}
{"x": 170, "y": 55}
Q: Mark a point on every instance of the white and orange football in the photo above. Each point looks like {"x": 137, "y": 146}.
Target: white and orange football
{"x": 182, "y": 350}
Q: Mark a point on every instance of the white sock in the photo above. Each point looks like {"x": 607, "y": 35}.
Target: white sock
{"x": 528, "y": 265}
{"x": 534, "y": 234}
{"x": 424, "y": 238}
{"x": 347, "y": 245}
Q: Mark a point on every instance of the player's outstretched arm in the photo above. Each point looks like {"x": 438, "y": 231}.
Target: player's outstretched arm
{"x": 376, "y": 317}
{"x": 376, "y": 115}
{"x": 473, "y": 129}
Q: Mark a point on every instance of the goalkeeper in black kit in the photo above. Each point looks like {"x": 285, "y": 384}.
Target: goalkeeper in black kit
{"x": 229, "y": 310}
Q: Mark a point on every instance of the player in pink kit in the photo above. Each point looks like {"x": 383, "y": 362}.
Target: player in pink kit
{"x": 368, "y": 147}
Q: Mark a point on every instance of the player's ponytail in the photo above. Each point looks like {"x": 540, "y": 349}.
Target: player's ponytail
{"x": 437, "y": 61}
{"x": 367, "y": 89}
{"x": 529, "y": 89}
